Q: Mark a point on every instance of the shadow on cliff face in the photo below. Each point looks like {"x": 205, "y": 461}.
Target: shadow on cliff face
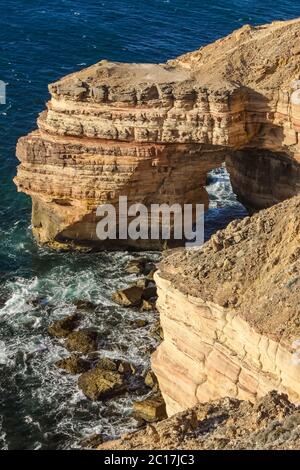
{"x": 263, "y": 172}
{"x": 262, "y": 178}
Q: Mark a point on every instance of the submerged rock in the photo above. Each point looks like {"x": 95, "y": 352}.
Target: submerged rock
{"x": 152, "y": 409}
{"x": 139, "y": 323}
{"x": 62, "y": 328}
{"x": 126, "y": 368}
{"x": 99, "y": 384}
{"x": 83, "y": 341}
{"x": 148, "y": 306}
{"x": 39, "y": 302}
{"x": 73, "y": 365}
{"x": 85, "y": 305}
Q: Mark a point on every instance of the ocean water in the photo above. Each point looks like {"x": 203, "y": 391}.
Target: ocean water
{"x": 41, "y": 408}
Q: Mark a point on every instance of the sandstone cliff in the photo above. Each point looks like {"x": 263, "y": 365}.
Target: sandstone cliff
{"x": 230, "y": 313}
{"x": 152, "y": 132}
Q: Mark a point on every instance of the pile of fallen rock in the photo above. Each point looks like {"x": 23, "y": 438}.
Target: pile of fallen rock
{"x": 103, "y": 378}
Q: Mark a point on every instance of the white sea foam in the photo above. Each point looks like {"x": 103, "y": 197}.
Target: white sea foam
{"x": 29, "y": 353}
{"x": 3, "y": 355}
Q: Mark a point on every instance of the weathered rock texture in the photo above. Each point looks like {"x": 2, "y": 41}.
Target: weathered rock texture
{"x": 230, "y": 313}
{"x": 152, "y": 132}
{"x": 272, "y": 423}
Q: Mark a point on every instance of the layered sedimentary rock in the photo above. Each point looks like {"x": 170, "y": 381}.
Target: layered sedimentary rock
{"x": 152, "y": 132}
{"x": 230, "y": 313}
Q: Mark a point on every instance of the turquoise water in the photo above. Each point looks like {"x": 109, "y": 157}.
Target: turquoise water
{"x": 40, "y": 42}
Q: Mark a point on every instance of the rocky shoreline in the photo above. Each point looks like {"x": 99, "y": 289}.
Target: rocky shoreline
{"x": 103, "y": 378}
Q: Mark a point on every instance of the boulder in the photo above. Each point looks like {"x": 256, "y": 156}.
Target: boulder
{"x": 151, "y": 409}
{"x": 140, "y": 266}
{"x": 143, "y": 282}
{"x": 150, "y": 276}
{"x": 105, "y": 363}
{"x": 73, "y": 365}
{"x": 83, "y": 341}
{"x": 62, "y": 328}
{"x": 99, "y": 384}
{"x": 130, "y": 297}
{"x": 123, "y": 367}
{"x": 149, "y": 268}
{"x": 151, "y": 380}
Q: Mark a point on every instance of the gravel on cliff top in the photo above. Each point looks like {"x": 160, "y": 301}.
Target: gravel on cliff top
{"x": 271, "y": 423}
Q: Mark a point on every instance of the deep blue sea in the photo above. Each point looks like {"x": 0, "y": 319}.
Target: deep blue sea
{"x": 40, "y": 408}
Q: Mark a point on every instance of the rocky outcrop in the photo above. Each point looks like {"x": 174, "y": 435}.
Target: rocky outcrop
{"x": 99, "y": 384}
{"x": 230, "y": 313}
{"x": 152, "y": 132}
{"x": 73, "y": 365}
{"x": 226, "y": 424}
{"x": 64, "y": 327}
{"x": 84, "y": 341}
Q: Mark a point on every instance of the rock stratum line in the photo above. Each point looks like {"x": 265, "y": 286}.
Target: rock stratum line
{"x": 152, "y": 132}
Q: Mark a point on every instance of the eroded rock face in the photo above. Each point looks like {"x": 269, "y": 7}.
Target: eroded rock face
{"x": 152, "y": 132}
{"x": 230, "y": 313}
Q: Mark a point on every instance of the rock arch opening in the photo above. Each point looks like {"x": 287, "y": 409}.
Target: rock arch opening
{"x": 223, "y": 203}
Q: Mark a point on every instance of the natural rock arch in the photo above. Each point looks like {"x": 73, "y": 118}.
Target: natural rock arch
{"x": 153, "y": 131}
